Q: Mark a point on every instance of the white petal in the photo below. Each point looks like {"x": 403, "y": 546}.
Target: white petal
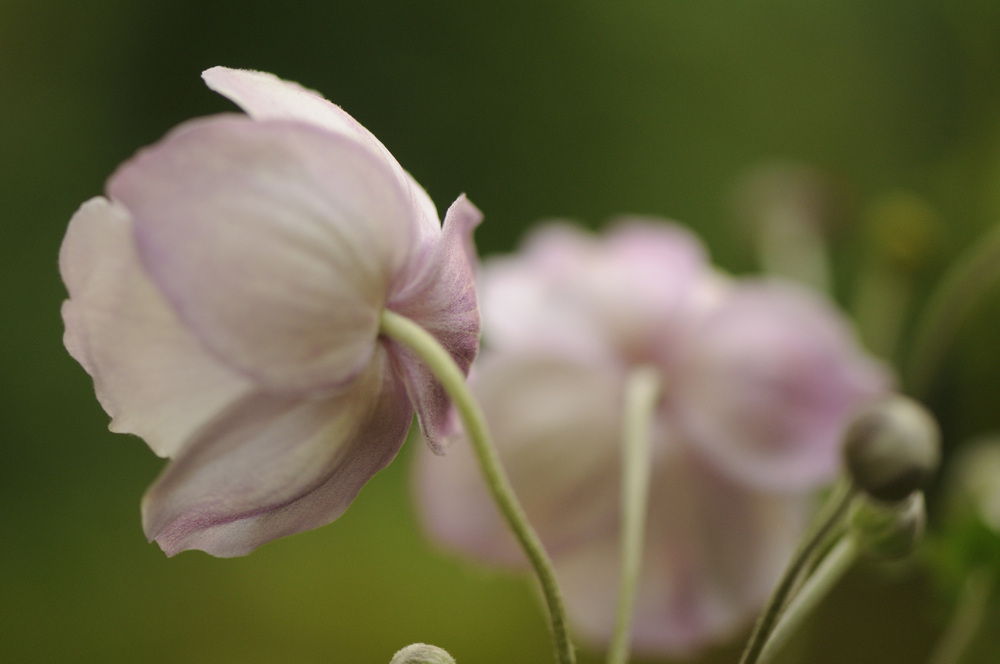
{"x": 576, "y": 292}
{"x": 713, "y": 551}
{"x": 276, "y": 242}
{"x": 150, "y": 374}
{"x": 264, "y": 96}
{"x": 767, "y": 383}
{"x": 556, "y": 425}
{"x": 273, "y": 466}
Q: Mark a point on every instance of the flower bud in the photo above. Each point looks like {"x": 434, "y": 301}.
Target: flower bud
{"x": 888, "y": 530}
{"x": 421, "y": 653}
{"x": 906, "y": 230}
{"x": 892, "y": 447}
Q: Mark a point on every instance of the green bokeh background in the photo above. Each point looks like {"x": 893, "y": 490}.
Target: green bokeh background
{"x": 571, "y": 108}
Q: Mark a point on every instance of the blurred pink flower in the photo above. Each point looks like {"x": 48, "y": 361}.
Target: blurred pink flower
{"x": 226, "y": 296}
{"x": 759, "y": 379}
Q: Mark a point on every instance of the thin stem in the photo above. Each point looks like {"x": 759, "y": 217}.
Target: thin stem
{"x": 967, "y": 619}
{"x": 881, "y": 306}
{"x": 642, "y": 392}
{"x": 792, "y": 247}
{"x": 961, "y": 288}
{"x": 440, "y": 362}
{"x": 820, "y": 582}
{"x": 828, "y": 518}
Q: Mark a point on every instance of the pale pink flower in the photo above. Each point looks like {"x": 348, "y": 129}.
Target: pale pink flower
{"x": 759, "y": 378}
{"x": 225, "y": 296}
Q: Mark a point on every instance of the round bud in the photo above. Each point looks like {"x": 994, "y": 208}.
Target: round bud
{"x": 888, "y": 530}
{"x": 906, "y": 230}
{"x": 421, "y": 653}
{"x": 892, "y": 447}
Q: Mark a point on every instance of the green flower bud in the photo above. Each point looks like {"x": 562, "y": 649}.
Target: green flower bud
{"x": 907, "y": 232}
{"x": 421, "y": 653}
{"x": 888, "y": 530}
{"x": 892, "y": 447}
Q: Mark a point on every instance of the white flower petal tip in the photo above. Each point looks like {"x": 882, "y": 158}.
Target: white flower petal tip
{"x": 264, "y": 96}
{"x": 226, "y": 297}
{"x": 758, "y": 382}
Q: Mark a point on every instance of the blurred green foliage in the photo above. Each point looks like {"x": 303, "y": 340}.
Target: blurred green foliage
{"x": 571, "y": 108}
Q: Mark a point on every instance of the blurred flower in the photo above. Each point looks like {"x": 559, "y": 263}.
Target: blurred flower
{"x": 759, "y": 380}
{"x": 226, "y": 296}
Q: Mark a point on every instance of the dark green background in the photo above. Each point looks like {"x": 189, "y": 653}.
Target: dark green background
{"x": 580, "y": 109}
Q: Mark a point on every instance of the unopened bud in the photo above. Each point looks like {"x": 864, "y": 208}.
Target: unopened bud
{"x": 421, "y": 653}
{"x": 906, "y": 229}
{"x": 892, "y": 447}
{"x": 888, "y": 530}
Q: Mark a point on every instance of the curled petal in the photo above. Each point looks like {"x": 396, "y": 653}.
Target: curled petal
{"x": 150, "y": 374}
{"x": 556, "y": 424}
{"x": 442, "y": 299}
{"x": 264, "y": 96}
{"x": 273, "y": 466}
{"x": 275, "y": 242}
{"x": 714, "y": 549}
{"x": 770, "y": 378}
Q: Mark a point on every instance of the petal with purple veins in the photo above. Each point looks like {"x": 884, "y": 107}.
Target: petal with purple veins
{"x": 274, "y": 466}
{"x": 440, "y": 296}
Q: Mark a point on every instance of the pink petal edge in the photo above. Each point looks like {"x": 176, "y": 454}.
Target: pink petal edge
{"x": 276, "y": 466}
{"x": 442, "y": 299}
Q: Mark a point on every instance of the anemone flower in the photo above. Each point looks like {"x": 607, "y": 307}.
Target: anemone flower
{"x": 758, "y": 378}
{"x": 226, "y": 295}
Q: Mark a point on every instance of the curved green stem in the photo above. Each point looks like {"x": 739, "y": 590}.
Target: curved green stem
{"x": 441, "y": 364}
{"x": 826, "y": 521}
{"x": 967, "y": 619}
{"x": 642, "y": 392}
{"x": 820, "y": 582}
{"x": 881, "y": 306}
{"x": 965, "y": 283}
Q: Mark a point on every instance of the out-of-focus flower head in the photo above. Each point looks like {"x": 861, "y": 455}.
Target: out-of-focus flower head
{"x": 226, "y": 297}
{"x": 759, "y": 379}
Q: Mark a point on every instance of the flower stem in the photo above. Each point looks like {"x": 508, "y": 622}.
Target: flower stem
{"x": 812, "y": 592}
{"x": 642, "y": 391}
{"x": 967, "y": 620}
{"x": 452, "y": 379}
{"x": 834, "y": 509}
{"x": 955, "y": 296}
